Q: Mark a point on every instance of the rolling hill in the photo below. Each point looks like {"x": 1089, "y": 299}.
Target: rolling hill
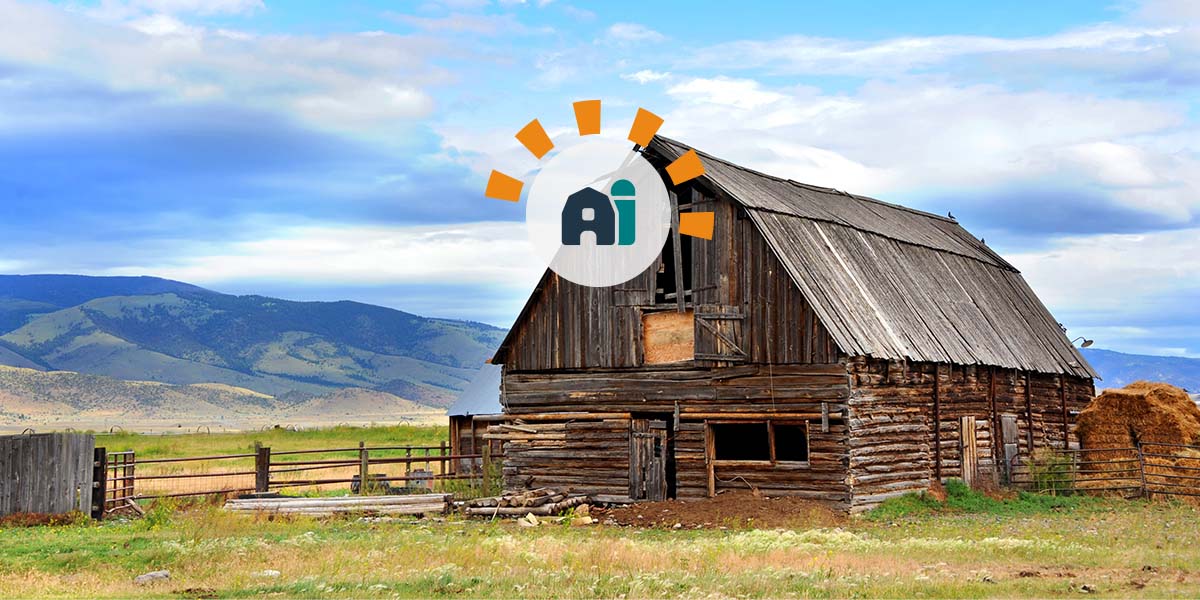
{"x": 149, "y": 329}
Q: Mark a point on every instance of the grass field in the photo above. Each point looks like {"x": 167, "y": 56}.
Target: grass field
{"x": 201, "y": 444}
{"x": 278, "y": 440}
{"x": 912, "y": 549}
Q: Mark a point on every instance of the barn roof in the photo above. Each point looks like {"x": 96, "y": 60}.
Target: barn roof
{"x": 482, "y": 394}
{"x": 892, "y": 282}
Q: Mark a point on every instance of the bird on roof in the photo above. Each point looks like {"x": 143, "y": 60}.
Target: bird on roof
{"x": 950, "y": 214}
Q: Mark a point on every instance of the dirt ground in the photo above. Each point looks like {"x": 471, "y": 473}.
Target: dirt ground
{"x": 734, "y": 510}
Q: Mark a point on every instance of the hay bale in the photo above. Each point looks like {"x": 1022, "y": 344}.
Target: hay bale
{"x": 1141, "y": 412}
{"x": 1144, "y": 413}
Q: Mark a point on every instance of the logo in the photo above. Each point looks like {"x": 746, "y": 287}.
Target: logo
{"x": 597, "y": 212}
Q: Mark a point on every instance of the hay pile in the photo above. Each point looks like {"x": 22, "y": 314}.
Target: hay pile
{"x": 1141, "y": 412}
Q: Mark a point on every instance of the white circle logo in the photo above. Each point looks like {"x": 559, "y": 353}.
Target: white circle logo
{"x": 598, "y": 213}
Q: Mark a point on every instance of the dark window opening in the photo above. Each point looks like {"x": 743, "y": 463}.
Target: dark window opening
{"x": 760, "y": 441}
{"x": 741, "y": 441}
{"x": 791, "y": 442}
{"x": 665, "y": 281}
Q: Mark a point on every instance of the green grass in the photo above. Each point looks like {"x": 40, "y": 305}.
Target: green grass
{"x": 962, "y": 499}
{"x": 1117, "y": 549}
{"x": 207, "y": 444}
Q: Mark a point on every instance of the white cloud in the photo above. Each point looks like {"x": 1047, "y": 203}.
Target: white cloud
{"x": 918, "y": 133}
{"x": 806, "y": 54}
{"x": 634, "y": 32}
{"x": 479, "y": 253}
{"x": 1102, "y": 283}
{"x": 372, "y": 82}
{"x": 124, "y": 9}
{"x": 645, "y": 76}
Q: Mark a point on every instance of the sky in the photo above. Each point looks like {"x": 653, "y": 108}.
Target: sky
{"x": 321, "y": 150}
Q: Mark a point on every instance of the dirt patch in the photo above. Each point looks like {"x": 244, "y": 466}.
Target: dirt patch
{"x": 732, "y": 510}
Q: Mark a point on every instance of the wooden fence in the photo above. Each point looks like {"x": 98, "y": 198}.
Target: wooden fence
{"x": 46, "y": 473}
{"x": 128, "y": 478}
{"x": 1146, "y": 470}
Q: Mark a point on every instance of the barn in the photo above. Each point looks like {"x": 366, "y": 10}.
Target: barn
{"x": 822, "y": 344}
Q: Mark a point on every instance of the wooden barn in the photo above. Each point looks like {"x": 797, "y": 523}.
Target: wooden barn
{"x": 822, "y": 344}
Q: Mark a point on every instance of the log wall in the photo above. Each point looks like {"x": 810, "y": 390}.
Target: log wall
{"x": 893, "y": 406}
{"x": 577, "y": 426}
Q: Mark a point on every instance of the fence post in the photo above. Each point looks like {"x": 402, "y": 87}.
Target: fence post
{"x": 1142, "y": 471}
{"x": 363, "y": 468}
{"x": 442, "y": 462}
{"x": 99, "y": 482}
{"x": 262, "y": 468}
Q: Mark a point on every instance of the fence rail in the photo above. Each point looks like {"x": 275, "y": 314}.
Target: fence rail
{"x": 1145, "y": 470}
{"x": 128, "y": 478}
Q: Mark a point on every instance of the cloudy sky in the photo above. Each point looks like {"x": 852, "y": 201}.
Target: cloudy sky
{"x": 330, "y": 150}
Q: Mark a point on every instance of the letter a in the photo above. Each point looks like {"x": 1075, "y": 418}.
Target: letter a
{"x": 603, "y": 222}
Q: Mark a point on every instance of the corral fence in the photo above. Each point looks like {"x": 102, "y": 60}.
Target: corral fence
{"x": 123, "y": 478}
{"x": 1146, "y": 470}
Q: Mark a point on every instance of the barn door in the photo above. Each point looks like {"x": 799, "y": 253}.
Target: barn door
{"x": 968, "y": 450}
{"x": 1008, "y": 436}
{"x": 648, "y": 459}
{"x": 719, "y": 334}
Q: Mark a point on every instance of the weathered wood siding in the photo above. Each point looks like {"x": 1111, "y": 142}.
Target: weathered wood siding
{"x": 590, "y": 451}
{"x": 568, "y": 326}
{"x": 893, "y": 407}
{"x": 46, "y": 473}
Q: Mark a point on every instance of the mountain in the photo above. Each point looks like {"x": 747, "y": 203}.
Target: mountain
{"x": 1118, "y": 369}
{"x": 149, "y": 329}
{"x": 28, "y": 396}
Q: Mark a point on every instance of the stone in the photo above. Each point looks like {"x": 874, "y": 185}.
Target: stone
{"x": 152, "y": 577}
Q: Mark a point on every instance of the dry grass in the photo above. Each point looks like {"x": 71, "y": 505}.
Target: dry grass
{"x": 1119, "y": 549}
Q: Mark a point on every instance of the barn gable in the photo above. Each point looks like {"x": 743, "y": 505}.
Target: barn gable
{"x": 796, "y": 274}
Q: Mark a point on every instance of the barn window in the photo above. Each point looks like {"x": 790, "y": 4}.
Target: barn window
{"x": 665, "y": 283}
{"x": 791, "y": 441}
{"x": 741, "y": 441}
{"x": 765, "y": 441}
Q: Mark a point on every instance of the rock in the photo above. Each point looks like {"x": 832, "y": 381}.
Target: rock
{"x": 530, "y": 520}
{"x": 583, "y": 510}
{"x": 268, "y": 573}
{"x": 152, "y": 577}
{"x": 678, "y": 526}
{"x": 1087, "y": 589}
{"x": 581, "y": 521}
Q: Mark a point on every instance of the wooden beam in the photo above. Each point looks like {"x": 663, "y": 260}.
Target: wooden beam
{"x": 937, "y": 422}
{"x": 677, "y": 250}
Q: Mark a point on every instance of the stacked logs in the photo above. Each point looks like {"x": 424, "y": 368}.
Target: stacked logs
{"x": 417, "y": 504}
{"x": 542, "y": 502}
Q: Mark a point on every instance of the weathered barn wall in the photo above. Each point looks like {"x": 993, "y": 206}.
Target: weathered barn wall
{"x": 736, "y": 280}
{"x": 893, "y": 406}
{"x": 582, "y": 423}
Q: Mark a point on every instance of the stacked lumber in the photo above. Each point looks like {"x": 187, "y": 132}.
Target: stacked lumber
{"x": 542, "y": 502}
{"x": 416, "y": 504}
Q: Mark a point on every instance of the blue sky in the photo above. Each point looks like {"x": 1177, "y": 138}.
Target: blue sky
{"x": 330, "y": 150}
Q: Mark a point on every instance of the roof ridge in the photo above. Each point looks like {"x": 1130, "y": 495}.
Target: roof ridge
{"x": 811, "y": 186}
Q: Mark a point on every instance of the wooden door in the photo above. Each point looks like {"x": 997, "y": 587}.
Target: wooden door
{"x": 648, "y": 459}
{"x": 718, "y": 335}
{"x": 1008, "y": 436}
{"x": 968, "y": 450}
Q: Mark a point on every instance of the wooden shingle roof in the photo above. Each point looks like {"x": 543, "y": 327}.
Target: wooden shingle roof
{"x": 892, "y": 282}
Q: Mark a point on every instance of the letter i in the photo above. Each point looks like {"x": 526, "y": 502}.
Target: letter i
{"x": 623, "y": 193}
